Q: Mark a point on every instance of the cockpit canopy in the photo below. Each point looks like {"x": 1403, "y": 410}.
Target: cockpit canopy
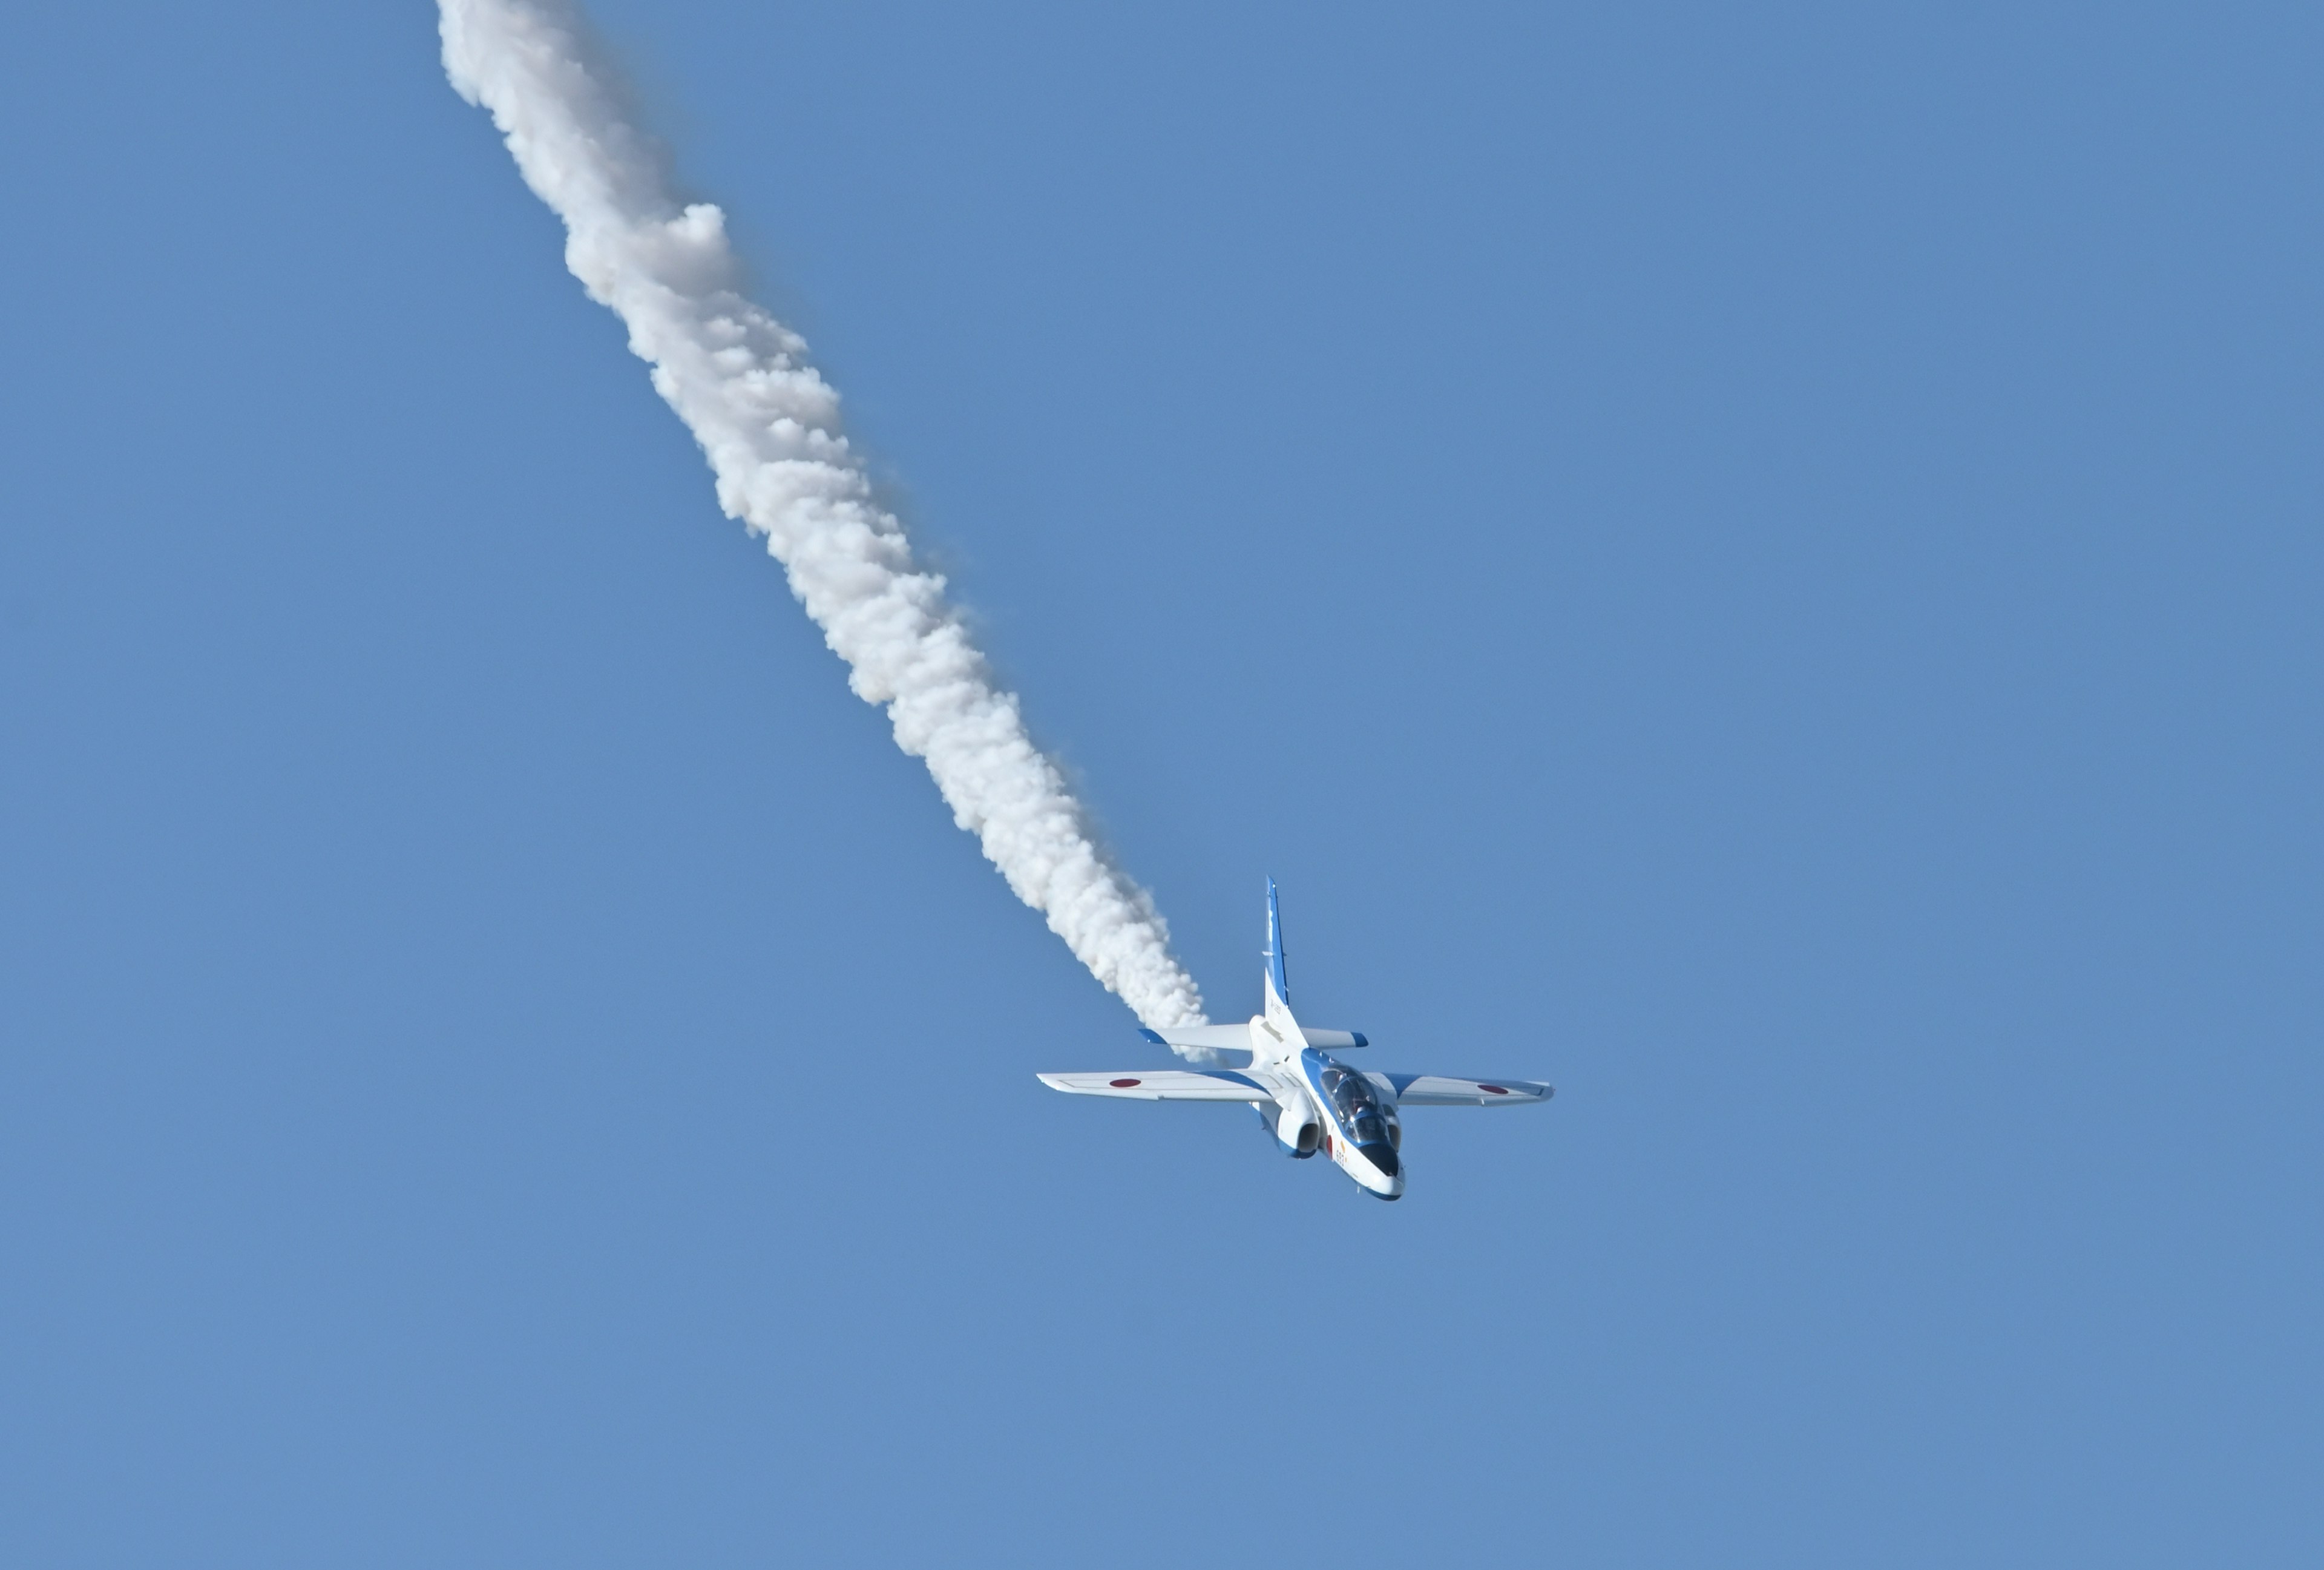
{"x": 1358, "y": 1107}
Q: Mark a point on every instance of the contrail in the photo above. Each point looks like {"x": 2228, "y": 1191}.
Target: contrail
{"x": 769, "y": 425}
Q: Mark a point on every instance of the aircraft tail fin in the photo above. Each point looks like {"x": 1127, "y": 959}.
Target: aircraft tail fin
{"x": 1278, "y": 984}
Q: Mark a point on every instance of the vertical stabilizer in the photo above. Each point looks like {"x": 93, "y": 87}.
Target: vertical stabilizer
{"x": 1278, "y": 986}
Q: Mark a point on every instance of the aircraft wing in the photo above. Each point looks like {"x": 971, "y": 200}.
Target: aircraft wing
{"x": 1163, "y": 1084}
{"x": 1445, "y": 1090}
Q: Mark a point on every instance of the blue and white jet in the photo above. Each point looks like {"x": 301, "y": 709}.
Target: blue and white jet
{"x": 1307, "y": 1099}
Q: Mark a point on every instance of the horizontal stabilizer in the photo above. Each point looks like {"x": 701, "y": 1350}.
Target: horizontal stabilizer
{"x": 1237, "y": 1037}
{"x": 1204, "y": 1038}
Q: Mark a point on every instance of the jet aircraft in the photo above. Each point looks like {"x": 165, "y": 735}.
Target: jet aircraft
{"x": 1307, "y": 1100}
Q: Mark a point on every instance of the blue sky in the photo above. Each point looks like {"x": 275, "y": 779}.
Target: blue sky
{"x": 1762, "y": 569}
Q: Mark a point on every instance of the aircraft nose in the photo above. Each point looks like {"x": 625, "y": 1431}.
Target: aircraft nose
{"x": 1384, "y": 1161}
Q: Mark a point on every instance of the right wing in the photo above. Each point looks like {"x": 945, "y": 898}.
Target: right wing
{"x": 1163, "y": 1084}
{"x": 1445, "y": 1090}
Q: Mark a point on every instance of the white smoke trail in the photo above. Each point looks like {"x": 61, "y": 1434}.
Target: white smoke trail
{"x": 769, "y": 426}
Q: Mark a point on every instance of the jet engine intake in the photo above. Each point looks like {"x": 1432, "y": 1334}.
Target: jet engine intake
{"x": 1296, "y": 1131}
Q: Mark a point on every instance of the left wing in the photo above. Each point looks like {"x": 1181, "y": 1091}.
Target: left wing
{"x": 1163, "y": 1084}
{"x": 1445, "y": 1090}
